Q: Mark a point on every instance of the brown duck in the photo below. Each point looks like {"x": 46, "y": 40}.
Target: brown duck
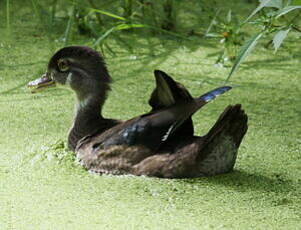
{"x": 159, "y": 143}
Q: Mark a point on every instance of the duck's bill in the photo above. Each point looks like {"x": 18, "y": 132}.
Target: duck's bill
{"x": 41, "y": 83}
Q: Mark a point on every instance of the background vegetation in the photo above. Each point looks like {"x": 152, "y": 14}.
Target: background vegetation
{"x": 198, "y": 43}
{"x": 99, "y": 20}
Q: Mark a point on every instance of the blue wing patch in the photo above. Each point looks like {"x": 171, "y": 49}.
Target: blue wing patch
{"x": 214, "y": 93}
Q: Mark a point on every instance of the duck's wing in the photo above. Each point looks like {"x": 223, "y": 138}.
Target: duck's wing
{"x": 167, "y": 93}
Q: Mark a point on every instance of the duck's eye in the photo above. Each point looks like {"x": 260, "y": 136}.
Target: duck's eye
{"x": 63, "y": 65}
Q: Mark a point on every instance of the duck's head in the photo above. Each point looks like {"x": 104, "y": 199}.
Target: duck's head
{"x": 78, "y": 67}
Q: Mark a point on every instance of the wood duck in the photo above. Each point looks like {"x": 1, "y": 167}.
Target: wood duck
{"x": 160, "y": 143}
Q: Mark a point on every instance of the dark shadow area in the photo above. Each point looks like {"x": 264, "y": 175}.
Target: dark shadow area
{"x": 275, "y": 63}
{"x": 244, "y": 181}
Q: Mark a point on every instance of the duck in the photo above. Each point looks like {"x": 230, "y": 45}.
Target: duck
{"x": 160, "y": 143}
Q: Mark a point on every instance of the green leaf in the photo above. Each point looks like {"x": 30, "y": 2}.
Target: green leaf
{"x": 286, "y": 10}
{"x": 102, "y": 37}
{"x": 108, "y": 14}
{"x": 229, "y": 16}
{"x": 214, "y": 35}
{"x": 279, "y": 38}
{"x": 244, "y": 51}
{"x": 296, "y": 2}
{"x": 212, "y": 23}
{"x": 263, "y": 3}
{"x": 276, "y": 3}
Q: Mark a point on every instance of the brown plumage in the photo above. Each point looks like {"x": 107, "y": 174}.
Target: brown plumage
{"x": 160, "y": 143}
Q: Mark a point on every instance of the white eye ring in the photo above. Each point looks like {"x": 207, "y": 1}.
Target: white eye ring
{"x": 63, "y": 65}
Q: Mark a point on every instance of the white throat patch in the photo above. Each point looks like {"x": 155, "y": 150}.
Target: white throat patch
{"x": 68, "y": 80}
{"x": 83, "y": 103}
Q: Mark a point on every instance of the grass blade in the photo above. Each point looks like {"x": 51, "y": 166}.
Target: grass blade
{"x": 102, "y": 37}
{"x": 212, "y": 23}
{"x": 129, "y": 26}
{"x": 108, "y": 14}
{"x": 245, "y": 50}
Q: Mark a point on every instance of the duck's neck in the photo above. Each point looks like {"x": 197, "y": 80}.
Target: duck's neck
{"x": 88, "y": 118}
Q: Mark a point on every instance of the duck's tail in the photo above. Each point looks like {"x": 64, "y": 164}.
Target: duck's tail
{"x": 220, "y": 146}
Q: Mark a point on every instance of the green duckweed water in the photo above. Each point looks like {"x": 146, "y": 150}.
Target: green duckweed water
{"x": 42, "y": 188}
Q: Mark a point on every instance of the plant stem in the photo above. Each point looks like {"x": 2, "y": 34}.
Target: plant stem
{"x": 128, "y": 5}
{"x": 296, "y": 28}
{"x": 7, "y": 15}
{"x": 168, "y": 21}
{"x": 142, "y": 8}
{"x": 53, "y": 10}
{"x": 69, "y": 25}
